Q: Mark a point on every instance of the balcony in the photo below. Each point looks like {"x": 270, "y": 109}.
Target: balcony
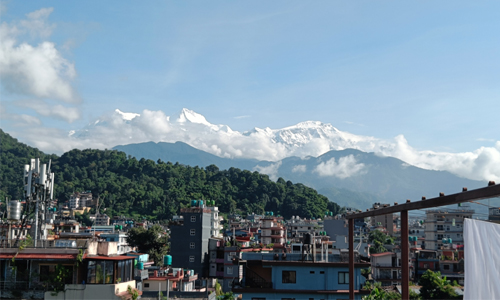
{"x": 254, "y": 280}
{"x": 141, "y": 274}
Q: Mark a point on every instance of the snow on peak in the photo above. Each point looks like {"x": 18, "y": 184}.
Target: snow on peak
{"x": 187, "y": 115}
{"x": 126, "y": 116}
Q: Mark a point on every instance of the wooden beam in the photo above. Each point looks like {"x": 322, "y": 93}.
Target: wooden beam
{"x": 405, "y": 268}
{"x": 478, "y": 194}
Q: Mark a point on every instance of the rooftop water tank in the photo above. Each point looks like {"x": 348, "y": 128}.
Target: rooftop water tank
{"x": 167, "y": 260}
{"x": 194, "y": 203}
{"x": 14, "y": 210}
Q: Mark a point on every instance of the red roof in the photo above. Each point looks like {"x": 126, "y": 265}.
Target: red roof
{"x": 382, "y": 254}
{"x": 38, "y": 256}
{"x": 118, "y": 257}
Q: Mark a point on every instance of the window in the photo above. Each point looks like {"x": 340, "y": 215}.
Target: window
{"x": 230, "y": 270}
{"x": 343, "y": 277}
{"x": 191, "y": 259}
{"x": 321, "y": 272}
{"x": 191, "y": 245}
{"x": 193, "y": 218}
{"x": 231, "y": 255}
{"x": 192, "y": 232}
{"x": 258, "y": 298}
{"x": 426, "y": 266}
{"x": 146, "y": 285}
{"x": 311, "y": 272}
{"x": 446, "y": 267}
{"x": 287, "y": 298}
{"x": 288, "y": 277}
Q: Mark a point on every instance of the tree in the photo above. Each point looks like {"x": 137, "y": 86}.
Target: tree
{"x": 435, "y": 287}
{"x": 153, "y": 241}
{"x": 379, "y": 239}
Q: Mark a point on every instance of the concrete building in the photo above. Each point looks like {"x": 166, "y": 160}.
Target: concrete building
{"x": 189, "y": 239}
{"x": 273, "y": 231}
{"x": 215, "y": 222}
{"x": 289, "y": 277}
{"x": 445, "y": 224}
{"x": 386, "y": 268}
{"x": 80, "y": 200}
{"x": 494, "y": 215}
{"x": 296, "y": 228}
{"x": 120, "y": 238}
{"x": 386, "y": 221}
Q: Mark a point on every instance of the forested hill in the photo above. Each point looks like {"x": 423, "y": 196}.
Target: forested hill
{"x": 156, "y": 190}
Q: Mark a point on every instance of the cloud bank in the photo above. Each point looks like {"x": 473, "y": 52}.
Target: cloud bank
{"x": 347, "y": 166}
{"x": 37, "y": 70}
{"x": 118, "y": 128}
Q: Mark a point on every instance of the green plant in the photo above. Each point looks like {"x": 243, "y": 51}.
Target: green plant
{"x": 133, "y": 292}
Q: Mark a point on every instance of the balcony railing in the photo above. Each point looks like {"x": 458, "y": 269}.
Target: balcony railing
{"x": 254, "y": 280}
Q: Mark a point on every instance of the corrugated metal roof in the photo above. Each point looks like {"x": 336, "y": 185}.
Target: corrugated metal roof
{"x": 38, "y": 256}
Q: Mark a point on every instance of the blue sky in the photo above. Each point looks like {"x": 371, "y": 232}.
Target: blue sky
{"x": 429, "y": 70}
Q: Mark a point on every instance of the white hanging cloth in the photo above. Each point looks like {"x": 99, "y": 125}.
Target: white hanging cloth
{"x": 482, "y": 260}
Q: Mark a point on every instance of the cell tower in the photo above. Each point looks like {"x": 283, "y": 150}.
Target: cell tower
{"x": 39, "y": 192}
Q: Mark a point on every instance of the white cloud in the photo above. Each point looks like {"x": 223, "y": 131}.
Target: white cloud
{"x": 481, "y": 164}
{"x": 271, "y": 170}
{"x": 68, "y": 114}
{"x": 36, "y": 23}
{"x": 299, "y": 169}
{"x": 112, "y": 129}
{"x": 40, "y": 70}
{"x": 347, "y": 166}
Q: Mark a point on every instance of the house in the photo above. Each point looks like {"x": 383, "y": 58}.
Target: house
{"x": 271, "y": 276}
{"x": 386, "y": 268}
{"x": 120, "y": 238}
{"x": 425, "y": 260}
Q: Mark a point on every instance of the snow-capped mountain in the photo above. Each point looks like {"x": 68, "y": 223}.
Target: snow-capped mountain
{"x": 309, "y": 138}
{"x": 304, "y": 139}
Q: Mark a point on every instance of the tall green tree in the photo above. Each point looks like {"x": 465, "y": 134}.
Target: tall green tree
{"x": 153, "y": 241}
{"x": 435, "y": 287}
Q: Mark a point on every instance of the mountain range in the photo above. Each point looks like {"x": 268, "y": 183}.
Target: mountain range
{"x": 349, "y": 177}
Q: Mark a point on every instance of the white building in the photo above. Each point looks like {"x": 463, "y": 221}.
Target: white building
{"x": 215, "y": 222}
{"x": 445, "y": 224}
{"x": 386, "y": 268}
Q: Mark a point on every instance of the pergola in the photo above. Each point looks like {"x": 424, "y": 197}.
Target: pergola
{"x": 490, "y": 191}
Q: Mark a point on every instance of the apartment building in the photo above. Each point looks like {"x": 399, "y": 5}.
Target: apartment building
{"x": 445, "y": 224}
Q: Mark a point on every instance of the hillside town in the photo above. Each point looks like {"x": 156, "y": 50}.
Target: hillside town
{"x": 48, "y": 251}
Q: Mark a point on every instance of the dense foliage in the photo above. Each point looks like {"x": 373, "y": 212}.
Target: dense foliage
{"x": 153, "y": 241}
{"x": 436, "y": 287}
{"x": 156, "y": 190}
{"x": 379, "y": 239}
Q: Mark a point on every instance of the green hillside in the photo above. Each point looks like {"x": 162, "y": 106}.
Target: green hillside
{"x": 156, "y": 190}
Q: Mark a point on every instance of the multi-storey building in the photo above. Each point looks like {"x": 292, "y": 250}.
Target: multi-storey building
{"x": 273, "y": 276}
{"x": 494, "y": 215}
{"x": 387, "y": 221}
{"x": 296, "y": 228}
{"x": 445, "y": 224}
{"x": 189, "y": 239}
{"x": 80, "y": 200}
{"x": 273, "y": 231}
{"x": 215, "y": 223}
{"x": 386, "y": 268}
{"x": 120, "y": 238}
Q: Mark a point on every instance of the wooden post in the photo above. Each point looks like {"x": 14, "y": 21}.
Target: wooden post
{"x": 405, "y": 278}
{"x": 351, "y": 258}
